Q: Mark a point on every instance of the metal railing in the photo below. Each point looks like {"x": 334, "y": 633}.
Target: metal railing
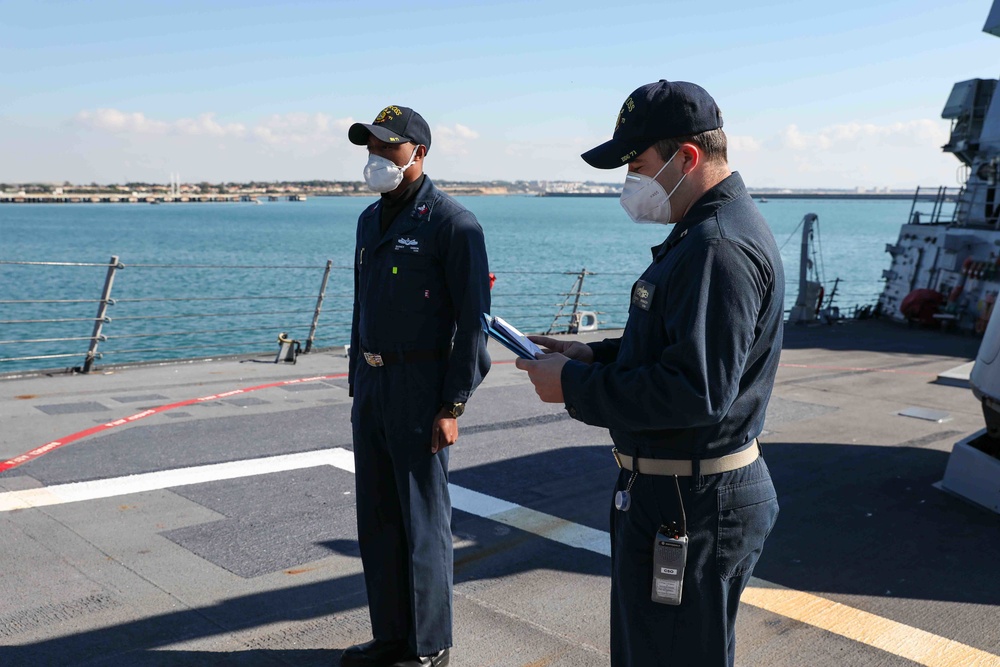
{"x": 175, "y": 316}
{"x": 158, "y": 312}
{"x": 932, "y": 205}
{"x": 161, "y": 312}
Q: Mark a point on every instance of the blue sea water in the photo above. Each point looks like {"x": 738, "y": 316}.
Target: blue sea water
{"x": 535, "y": 245}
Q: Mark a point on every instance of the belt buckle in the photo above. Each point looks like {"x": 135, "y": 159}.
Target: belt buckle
{"x": 374, "y": 359}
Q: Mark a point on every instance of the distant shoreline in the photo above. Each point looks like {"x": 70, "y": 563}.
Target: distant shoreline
{"x": 779, "y": 195}
{"x": 761, "y": 197}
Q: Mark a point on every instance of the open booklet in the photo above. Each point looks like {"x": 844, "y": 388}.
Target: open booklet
{"x": 512, "y": 339}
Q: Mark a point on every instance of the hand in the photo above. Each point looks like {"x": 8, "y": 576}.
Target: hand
{"x": 444, "y": 433}
{"x": 573, "y": 349}
{"x": 546, "y": 374}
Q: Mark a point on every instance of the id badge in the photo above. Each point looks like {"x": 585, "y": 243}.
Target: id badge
{"x": 669, "y": 558}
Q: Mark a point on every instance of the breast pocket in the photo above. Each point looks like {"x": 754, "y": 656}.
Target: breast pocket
{"x": 747, "y": 512}
{"x": 415, "y": 283}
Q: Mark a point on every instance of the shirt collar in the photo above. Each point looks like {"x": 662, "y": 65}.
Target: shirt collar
{"x": 405, "y": 196}
{"x": 723, "y": 192}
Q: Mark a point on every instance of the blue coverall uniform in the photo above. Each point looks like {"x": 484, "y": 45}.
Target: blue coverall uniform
{"x": 690, "y": 378}
{"x": 420, "y": 289}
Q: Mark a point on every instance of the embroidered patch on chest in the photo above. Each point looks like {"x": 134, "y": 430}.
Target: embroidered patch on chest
{"x": 642, "y": 294}
{"x": 407, "y": 244}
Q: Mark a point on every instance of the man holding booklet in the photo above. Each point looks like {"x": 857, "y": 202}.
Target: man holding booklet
{"x": 684, "y": 390}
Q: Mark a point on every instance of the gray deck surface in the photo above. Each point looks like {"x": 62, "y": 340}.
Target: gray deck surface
{"x": 264, "y": 569}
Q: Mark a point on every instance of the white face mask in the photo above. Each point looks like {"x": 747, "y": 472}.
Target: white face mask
{"x": 384, "y": 175}
{"x": 645, "y": 200}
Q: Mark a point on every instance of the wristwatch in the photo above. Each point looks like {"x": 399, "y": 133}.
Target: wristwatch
{"x": 454, "y": 409}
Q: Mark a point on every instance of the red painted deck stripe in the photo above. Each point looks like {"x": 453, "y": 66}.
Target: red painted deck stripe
{"x": 61, "y": 442}
{"x": 56, "y": 444}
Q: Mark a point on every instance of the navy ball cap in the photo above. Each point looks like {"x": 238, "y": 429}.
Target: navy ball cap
{"x": 393, "y": 125}
{"x": 652, "y": 112}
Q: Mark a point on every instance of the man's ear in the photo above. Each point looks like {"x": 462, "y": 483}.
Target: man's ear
{"x": 691, "y": 156}
{"x": 421, "y": 152}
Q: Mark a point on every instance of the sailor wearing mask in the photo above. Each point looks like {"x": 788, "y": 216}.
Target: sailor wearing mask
{"x": 684, "y": 390}
{"x": 418, "y": 351}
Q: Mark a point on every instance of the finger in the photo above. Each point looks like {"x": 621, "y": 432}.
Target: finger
{"x": 435, "y": 439}
{"x": 523, "y": 364}
{"x": 545, "y": 341}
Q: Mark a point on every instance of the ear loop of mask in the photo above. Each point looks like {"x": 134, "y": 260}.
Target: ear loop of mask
{"x": 683, "y": 176}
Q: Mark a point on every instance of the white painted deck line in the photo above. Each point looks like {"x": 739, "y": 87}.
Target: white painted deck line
{"x": 905, "y": 641}
{"x": 165, "y": 479}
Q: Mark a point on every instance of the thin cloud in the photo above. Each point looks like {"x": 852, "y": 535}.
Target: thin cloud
{"x": 848, "y": 155}
{"x": 850, "y": 136}
{"x": 453, "y": 140}
{"x": 314, "y": 131}
{"x": 113, "y": 120}
{"x": 742, "y": 143}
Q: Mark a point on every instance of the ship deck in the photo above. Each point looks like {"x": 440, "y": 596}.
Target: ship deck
{"x": 205, "y": 516}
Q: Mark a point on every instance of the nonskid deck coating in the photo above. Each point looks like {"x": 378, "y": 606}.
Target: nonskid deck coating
{"x": 179, "y": 575}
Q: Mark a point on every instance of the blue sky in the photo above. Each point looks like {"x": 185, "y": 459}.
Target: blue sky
{"x": 814, "y": 94}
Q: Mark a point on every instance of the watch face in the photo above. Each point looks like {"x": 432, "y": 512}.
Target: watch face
{"x": 457, "y": 410}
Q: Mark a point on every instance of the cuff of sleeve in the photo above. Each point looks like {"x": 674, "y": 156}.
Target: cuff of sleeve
{"x": 602, "y": 351}
{"x": 461, "y": 397}
{"x": 572, "y": 378}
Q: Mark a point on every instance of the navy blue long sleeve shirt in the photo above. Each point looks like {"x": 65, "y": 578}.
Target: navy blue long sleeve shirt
{"x": 692, "y": 374}
{"x": 423, "y": 284}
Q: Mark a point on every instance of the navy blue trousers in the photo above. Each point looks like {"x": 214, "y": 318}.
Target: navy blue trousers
{"x": 728, "y": 517}
{"x": 403, "y": 505}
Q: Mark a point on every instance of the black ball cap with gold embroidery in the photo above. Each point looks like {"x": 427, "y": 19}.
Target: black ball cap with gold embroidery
{"x": 393, "y": 125}
{"x": 660, "y": 110}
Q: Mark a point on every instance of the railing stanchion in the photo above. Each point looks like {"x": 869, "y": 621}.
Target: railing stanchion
{"x": 319, "y": 306}
{"x": 102, "y": 309}
{"x": 575, "y": 291}
{"x": 574, "y": 316}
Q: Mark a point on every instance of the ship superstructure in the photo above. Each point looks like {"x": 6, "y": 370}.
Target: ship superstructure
{"x": 951, "y": 243}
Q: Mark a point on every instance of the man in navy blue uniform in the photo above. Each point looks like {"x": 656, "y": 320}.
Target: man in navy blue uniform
{"x": 418, "y": 351}
{"x": 684, "y": 390}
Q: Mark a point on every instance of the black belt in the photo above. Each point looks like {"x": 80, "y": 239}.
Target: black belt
{"x": 407, "y": 357}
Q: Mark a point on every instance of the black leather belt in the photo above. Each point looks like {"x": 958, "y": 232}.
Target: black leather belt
{"x": 408, "y": 357}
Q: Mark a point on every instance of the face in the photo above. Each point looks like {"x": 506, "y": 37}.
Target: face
{"x": 649, "y": 163}
{"x": 397, "y": 153}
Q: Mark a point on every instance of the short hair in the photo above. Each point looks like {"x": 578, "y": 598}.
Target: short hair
{"x": 712, "y": 143}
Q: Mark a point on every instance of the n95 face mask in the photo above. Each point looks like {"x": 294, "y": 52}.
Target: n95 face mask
{"x": 645, "y": 200}
{"x": 384, "y": 175}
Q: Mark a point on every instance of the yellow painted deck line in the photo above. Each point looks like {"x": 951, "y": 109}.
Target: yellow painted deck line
{"x": 887, "y": 635}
